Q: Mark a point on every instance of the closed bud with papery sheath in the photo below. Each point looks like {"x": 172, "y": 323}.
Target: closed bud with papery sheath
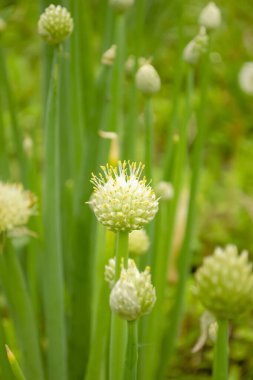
{"x": 147, "y": 79}
{"x": 55, "y": 24}
{"x": 224, "y": 283}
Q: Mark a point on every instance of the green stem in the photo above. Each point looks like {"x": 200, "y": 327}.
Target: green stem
{"x": 185, "y": 254}
{"x": 54, "y": 283}
{"x": 118, "y": 325}
{"x": 149, "y": 139}
{"x": 220, "y": 364}
{"x": 132, "y": 351}
{"x": 22, "y": 314}
{"x": 118, "y": 79}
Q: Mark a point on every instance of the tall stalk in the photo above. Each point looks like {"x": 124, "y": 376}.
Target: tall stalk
{"x": 132, "y": 351}
{"x": 184, "y": 261}
{"x": 53, "y": 266}
{"x": 220, "y": 364}
{"x": 19, "y": 302}
{"x": 149, "y": 139}
{"x": 118, "y": 325}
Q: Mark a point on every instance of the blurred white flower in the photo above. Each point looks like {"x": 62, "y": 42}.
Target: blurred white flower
{"x": 138, "y": 242}
{"x": 16, "y": 206}
{"x": 246, "y": 78}
{"x": 147, "y": 79}
{"x": 109, "y": 56}
{"x": 196, "y": 47}
{"x": 210, "y": 16}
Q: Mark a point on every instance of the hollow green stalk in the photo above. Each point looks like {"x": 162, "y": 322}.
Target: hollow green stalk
{"x": 101, "y": 311}
{"x": 4, "y": 164}
{"x": 18, "y": 299}
{"x": 184, "y": 262}
{"x": 53, "y": 274}
{"x": 132, "y": 351}
{"x": 116, "y": 122}
{"x": 149, "y": 139}
{"x": 16, "y": 132}
{"x": 221, "y": 351}
{"x": 118, "y": 325}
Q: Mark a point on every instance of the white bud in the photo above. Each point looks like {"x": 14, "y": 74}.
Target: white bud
{"x": 109, "y": 56}
{"x": 246, "y": 78}
{"x": 165, "y": 190}
{"x": 196, "y": 47}
{"x": 147, "y": 79}
{"x": 138, "y": 242}
{"x": 210, "y": 16}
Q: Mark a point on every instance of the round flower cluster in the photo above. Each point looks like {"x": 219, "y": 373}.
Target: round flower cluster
{"x": 224, "y": 283}
{"x": 121, "y": 200}
{"x": 133, "y": 295}
{"x": 138, "y": 242}
{"x": 16, "y": 206}
{"x": 147, "y": 79}
{"x": 55, "y": 24}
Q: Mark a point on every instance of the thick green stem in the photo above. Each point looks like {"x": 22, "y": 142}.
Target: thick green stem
{"x": 184, "y": 262}
{"x": 149, "y": 139}
{"x": 118, "y": 325}
{"x": 132, "y": 351}
{"x": 53, "y": 273}
{"x": 15, "y": 288}
{"x": 221, "y": 351}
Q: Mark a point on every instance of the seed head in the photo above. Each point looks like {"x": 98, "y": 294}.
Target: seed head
{"x": 133, "y": 295}
{"x": 210, "y": 16}
{"x": 121, "y": 5}
{"x": 55, "y": 24}
{"x": 121, "y": 200}
{"x": 16, "y": 206}
{"x": 147, "y": 79}
{"x": 224, "y": 283}
{"x": 138, "y": 242}
{"x": 246, "y": 78}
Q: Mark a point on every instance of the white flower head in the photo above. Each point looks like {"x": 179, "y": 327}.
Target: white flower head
{"x": 55, "y": 24}
{"x": 133, "y": 295}
{"x": 138, "y": 242}
{"x": 196, "y": 47}
{"x": 121, "y": 200}
{"x": 147, "y": 79}
{"x": 210, "y": 16}
{"x": 121, "y": 5}
{"x": 16, "y": 206}
{"x": 246, "y": 78}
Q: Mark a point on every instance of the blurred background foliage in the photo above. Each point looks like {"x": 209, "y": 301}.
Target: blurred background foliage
{"x": 225, "y": 201}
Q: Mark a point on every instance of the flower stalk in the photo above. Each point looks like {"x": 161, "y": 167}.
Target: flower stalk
{"x": 221, "y": 351}
{"x": 132, "y": 351}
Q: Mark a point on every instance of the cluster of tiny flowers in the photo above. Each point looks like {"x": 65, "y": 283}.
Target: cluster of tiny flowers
{"x": 55, "y": 24}
{"x": 16, "y": 206}
{"x": 138, "y": 242}
{"x": 246, "y": 78}
{"x": 121, "y": 5}
{"x": 147, "y": 79}
{"x": 210, "y": 16}
{"x": 121, "y": 200}
{"x": 133, "y": 295}
{"x": 196, "y": 47}
{"x": 110, "y": 270}
{"x": 224, "y": 283}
